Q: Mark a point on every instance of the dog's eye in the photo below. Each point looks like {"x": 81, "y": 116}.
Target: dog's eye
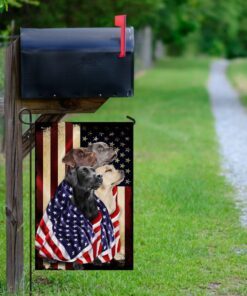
{"x": 109, "y": 170}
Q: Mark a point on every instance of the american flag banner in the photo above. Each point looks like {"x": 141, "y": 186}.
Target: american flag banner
{"x": 65, "y": 238}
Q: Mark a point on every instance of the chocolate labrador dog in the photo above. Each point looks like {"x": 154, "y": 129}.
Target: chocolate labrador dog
{"x": 104, "y": 153}
{"x": 79, "y": 157}
{"x": 84, "y": 181}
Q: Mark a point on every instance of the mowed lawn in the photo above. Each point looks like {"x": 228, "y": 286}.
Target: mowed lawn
{"x": 187, "y": 235}
{"x": 237, "y": 72}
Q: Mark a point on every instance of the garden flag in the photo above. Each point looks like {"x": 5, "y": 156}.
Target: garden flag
{"x": 84, "y": 196}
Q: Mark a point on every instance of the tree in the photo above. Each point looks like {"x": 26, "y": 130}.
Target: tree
{"x": 212, "y": 27}
{"x": 3, "y": 5}
{"x": 176, "y": 20}
{"x": 78, "y": 13}
{"x": 219, "y": 26}
{"x": 16, "y": 3}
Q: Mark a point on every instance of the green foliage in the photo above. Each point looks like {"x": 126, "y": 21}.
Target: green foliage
{"x": 20, "y": 3}
{"x": 217, "y": 28}
{"x": 3, "y": 5}
{"x": 84, "y": 13}
{"x": 175, "y": 21}
{"x": 15, "y": 3}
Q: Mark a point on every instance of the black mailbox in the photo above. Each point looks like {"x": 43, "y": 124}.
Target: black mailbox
{"x": 76, "y": 63}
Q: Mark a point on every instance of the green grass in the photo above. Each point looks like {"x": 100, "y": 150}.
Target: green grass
{"x": 237, "y": 72}
{"x": 187, "y": 230}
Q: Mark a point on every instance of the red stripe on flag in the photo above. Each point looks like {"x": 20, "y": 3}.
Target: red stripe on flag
{"x": 47, "y": 254}
{"x": 69, "y": 266}
{"x": 106, "y": 258}
{"x": 95, "y": 244}
{"x": 39, "y": 175}
{"x": 54, "y": 158}
{"x": 97, "y": 219}
{"x": 87, "y": 257}
{"x": 117, "y": 234}
{"x": 116, "y": 224}
{"x": 39, "y": 185}
{"x": 114, "y": 190}
{"x": 43, "y": 226}
{"x": 97, "y": 229}
{"x": 54, "y": 248}
{"x": 68, "y": 136}
{"x": 128, "y": 226}
{"x": 54, "y": 266}
{"x": 39, "y": 239}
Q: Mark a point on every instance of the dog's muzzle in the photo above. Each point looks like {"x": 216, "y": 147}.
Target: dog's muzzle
{"x": 98, "y": 181}
{"x": 99, "y": 178}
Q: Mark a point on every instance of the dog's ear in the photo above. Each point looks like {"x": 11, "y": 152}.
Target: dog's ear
{"x": 69, "y": 159}
{"x": 71, "y": 177}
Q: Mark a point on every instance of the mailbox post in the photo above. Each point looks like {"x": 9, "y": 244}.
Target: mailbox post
{"x": 53, "y": 72}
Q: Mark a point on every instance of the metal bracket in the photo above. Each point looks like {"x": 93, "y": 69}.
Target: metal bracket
{"x": 132, "y": 119}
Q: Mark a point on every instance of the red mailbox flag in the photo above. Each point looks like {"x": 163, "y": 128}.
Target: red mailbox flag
{"x": 120, "y": 21}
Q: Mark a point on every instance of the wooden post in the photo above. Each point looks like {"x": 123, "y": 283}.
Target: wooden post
{"x": 14, "y": 201}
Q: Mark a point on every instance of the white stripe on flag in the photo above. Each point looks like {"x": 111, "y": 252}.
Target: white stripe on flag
{"x": 46, "y": 264}
{"x": 76, "y": 136}
{"x": 61, "y": 152}
{"x": 46, "y": 167}
{"x": 121, "y": 203}
{"x": 61, "y": 266}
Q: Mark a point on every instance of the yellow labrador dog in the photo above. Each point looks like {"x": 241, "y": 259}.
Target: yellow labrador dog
{"x": 111, "y": 178}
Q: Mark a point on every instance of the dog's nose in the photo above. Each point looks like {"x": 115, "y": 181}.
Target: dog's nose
{"x": 99, "y": 178}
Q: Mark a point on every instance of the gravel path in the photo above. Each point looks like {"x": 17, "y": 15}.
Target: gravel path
{"x": 231, "y": 128}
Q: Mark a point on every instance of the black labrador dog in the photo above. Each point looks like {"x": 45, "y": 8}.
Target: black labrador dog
{"x": 84, "y": 181}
